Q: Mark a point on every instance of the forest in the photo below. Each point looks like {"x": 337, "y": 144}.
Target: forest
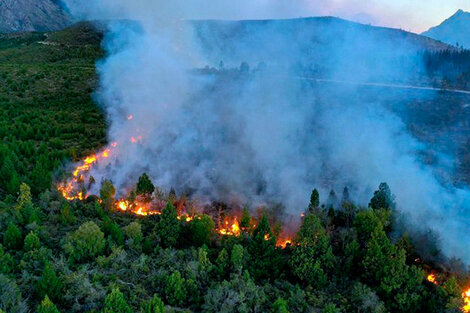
{"x": 88, "y": 256}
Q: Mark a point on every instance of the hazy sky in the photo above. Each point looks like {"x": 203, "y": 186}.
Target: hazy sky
{"x": 414, "y": 15}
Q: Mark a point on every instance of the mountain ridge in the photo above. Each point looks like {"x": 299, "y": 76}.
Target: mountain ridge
{"x": 455, "y": 30}
{"x": 32, "y": 15}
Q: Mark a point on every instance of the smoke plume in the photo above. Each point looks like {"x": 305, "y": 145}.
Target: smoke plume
{"x": 260, "y": 136}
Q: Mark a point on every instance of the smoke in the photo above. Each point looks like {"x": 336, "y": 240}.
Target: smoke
{"x": 268, "y": 135}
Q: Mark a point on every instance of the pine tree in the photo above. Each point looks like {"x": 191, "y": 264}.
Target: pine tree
{"x": 245, "y": 220}
{"x": 116, "y": 303}
{"x": 12, "y": 239}
{"x": 314, "y": 201}
{"x": 107, "y": 193}
{"x": 346, "y": 195}
{"x": 154, "y": 305}
{"x": 167, "y": 228}
{"x": 280, "y": 306}
{"x": 265, "y": 262}
{"x": 7, "y": 263}
{"x": 49, "y": 284}
{"x": 32, "y": 242}
{"x": 145, "y": 188}
{"x": 175, "y": 291}
{"x": 222, "y": 262}
{"x": 41, "y": 176}
{"x": 237, "y": 258}
{"x": 25, "y": 198}
{"x": 47, "y": 306}
{"x": 383, "y": 198}
{"x": 312, "y": 260}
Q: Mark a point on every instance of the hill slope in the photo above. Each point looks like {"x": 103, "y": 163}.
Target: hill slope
{"x": 327, "y": 45}
{"x": 31, "y": 15}
{"x": 455, "y": 30}
{"x": 87, "y": 256}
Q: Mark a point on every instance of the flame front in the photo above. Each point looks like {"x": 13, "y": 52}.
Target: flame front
{"x": 73, "y": 189}
{"x": 466, "y": 300}
{"x": 465, "y": 294}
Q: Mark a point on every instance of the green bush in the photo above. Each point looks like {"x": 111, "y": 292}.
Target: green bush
{"x": 133, "y": 231}
{"x": 85, "y": 243}
{"x": 201, "y": 228}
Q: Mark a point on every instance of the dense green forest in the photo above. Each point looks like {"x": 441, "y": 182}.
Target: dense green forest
{"x": 47, "y": 116}
{"x": 85, "y": 256}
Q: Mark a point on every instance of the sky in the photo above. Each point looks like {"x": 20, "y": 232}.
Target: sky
{"x": 411, "y": 15}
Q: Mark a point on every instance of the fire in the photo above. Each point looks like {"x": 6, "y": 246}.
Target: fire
{"x": 232, "y": 229}
{"x": 284, "y": 243}
{"x": 466, "y": 300}
{"x": 72, "y": 190}
{"x": 130, "y": 117}
{"x": 140, "y": 211}
{"x": 123, "y": 205}
{"x": 465, "y": 294}
{"x": 69, "y": 190}
{"x": 432, "y": 278}
{"x": 186, "y": 218}
{"x": 106, "y": 153}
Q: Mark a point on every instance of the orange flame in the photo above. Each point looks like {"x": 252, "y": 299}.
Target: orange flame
{"x": 432, "y": 278}
{"x": 284, "y": 243}
{"x": 465, "y": 295}
{"x": 123, "y": 205}
{"x": 230, "y": 229}
{"x": 466, "y": 300}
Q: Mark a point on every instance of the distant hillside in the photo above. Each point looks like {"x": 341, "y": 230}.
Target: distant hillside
{"x": 455, "y": 30}
{"x": 321, "y": 44}
{"x": 31, "y": 15}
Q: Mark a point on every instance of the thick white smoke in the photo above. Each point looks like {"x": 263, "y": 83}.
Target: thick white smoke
{"x": 261, "y": 138}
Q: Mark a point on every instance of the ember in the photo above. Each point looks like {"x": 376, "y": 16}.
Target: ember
{"x": 432, "y": 278}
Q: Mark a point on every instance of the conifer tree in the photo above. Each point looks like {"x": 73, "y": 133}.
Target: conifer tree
{"x": 116, "y": 303}
{"x": 145, "y": 188}
{"x": 47, "y": 306}
{"x": 167, "y": 228}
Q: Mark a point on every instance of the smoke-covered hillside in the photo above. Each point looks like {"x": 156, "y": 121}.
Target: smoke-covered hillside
{"x": 32, "y": 15}
{"x": 324, "y": 46}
